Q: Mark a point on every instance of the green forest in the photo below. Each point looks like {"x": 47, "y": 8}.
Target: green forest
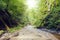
{"x": 15, "y": 14}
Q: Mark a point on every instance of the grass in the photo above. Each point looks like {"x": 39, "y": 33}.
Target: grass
{"x": 12, "y": 30}
{"x": 1, "y": 31}
{"x": 16, "y": 28}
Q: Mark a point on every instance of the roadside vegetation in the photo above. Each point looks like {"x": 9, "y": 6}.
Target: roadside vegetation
{"x": 15, "y": 14}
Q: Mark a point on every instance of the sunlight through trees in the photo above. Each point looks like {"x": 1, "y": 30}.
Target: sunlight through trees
{"x": 41, "y": 13}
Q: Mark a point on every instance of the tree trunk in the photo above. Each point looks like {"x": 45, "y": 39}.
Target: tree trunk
{"x": 7, "y": 28}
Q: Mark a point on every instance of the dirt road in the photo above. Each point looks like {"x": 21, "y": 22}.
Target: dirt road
{"x": 30, "y": 33}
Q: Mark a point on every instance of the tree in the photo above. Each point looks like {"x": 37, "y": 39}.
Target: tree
{"x": 12, "y": 11}
{"x": 51, "y": 21}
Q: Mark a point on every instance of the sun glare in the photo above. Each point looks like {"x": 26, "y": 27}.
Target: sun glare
{"x": 31, "y": 3}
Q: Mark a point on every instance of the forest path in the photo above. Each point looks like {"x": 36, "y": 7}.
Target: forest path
{"x": 31, "y": 33}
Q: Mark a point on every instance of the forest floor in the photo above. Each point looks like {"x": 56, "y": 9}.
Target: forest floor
{"x": 28, "y": 33}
